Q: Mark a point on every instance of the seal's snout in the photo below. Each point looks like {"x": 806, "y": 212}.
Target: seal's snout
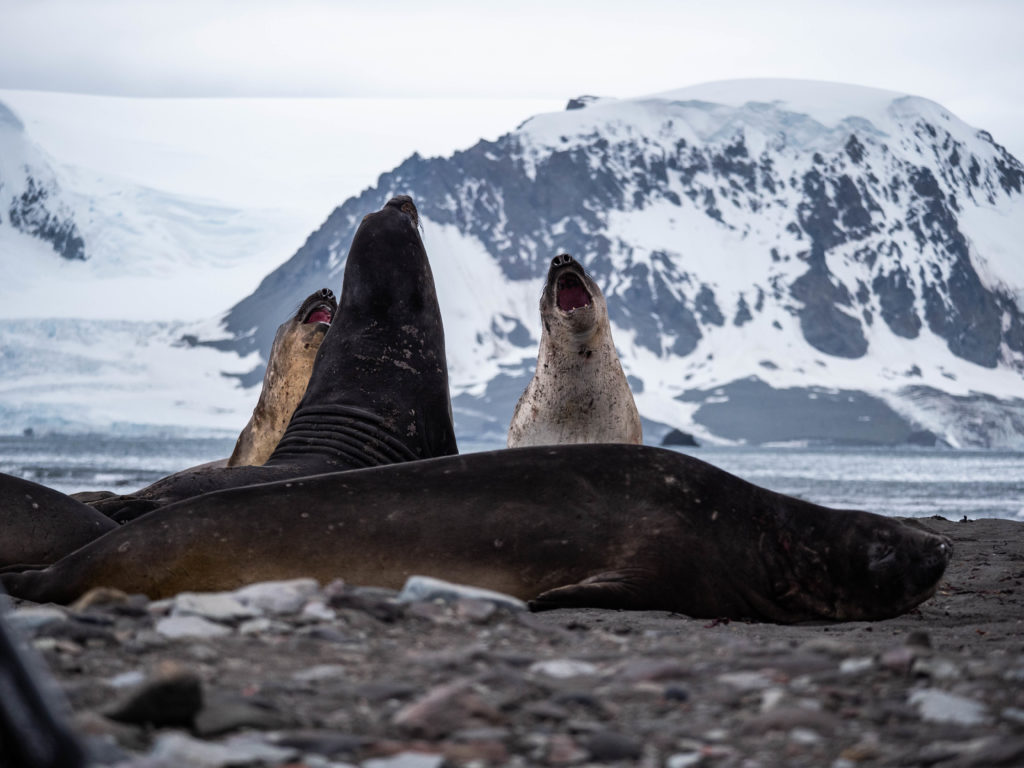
{"x": 318, "y": 308}
{"x": 570, "y": 289}
{"x": 405, "y": 204}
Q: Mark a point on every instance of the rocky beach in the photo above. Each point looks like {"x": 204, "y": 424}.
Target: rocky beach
{"x": 301, "y": 674}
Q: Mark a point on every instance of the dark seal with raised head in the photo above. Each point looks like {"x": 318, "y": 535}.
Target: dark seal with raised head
{"x": 606, "y": 526}
{"x": 378, "y": 393}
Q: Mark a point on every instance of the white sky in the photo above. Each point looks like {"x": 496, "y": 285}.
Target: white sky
{"x": 965, "y": 55}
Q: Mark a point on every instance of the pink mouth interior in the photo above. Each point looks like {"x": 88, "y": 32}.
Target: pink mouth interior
{"x": 320, "y": 316}
{"x": 571, "y": 293}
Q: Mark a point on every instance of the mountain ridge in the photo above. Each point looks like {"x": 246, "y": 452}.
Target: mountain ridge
{"x": 787, "y": 244}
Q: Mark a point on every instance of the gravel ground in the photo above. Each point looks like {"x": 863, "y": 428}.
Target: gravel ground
{"x": 295, "y": 674}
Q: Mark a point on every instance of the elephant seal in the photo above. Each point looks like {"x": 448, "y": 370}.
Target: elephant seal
{"x": 289, "y": 366}
{"x": 41, "y": 525}
{"x": 605, "y": 525}
{"x": 578, "y": 393}
{"x": 378, "y": 393}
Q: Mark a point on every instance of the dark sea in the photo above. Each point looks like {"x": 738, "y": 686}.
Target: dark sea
{"x": 905, "y": 482}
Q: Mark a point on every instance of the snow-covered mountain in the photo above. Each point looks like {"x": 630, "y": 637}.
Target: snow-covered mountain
{"x": 31, "y": 200}
{"x": 782, "y": 260}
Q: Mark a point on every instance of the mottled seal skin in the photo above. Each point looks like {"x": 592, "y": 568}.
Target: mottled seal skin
{"x": 605, "y": 526}
{"x": 378, "y": 393}
{"x": 41, "y": 525}
{"x": 289, "y": 366}
{"x": 578, "y": 393}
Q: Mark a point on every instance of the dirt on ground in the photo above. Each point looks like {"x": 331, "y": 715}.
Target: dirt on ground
{"x": 300, "y": 674}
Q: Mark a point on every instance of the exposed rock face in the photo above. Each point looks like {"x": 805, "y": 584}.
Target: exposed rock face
{"x": 701, "y": 219}
{"x": 29, "y": 192}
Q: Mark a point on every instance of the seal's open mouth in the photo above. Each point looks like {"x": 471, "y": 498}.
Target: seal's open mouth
{"x": 570, "y": 293}
{"x": 321, "y": 313}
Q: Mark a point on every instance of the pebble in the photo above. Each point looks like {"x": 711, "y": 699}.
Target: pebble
{"x": 30, "y": 620}
{"x": 444, "y": 709}
{"x": 426, "y": 588}
{"x": 406, "y": 760}
{"x": 177, "y": 749}
{"x": 176, "y": 627}
{"x": 561, "y": 669}
{"x": 216, "y": 606}
{"x": 173, "y": 697}
{"x": 940, "y": 707}
{"x": 277, "y": 598}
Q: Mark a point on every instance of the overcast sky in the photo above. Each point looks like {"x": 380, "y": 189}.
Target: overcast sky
{"x": 966, "y": 55}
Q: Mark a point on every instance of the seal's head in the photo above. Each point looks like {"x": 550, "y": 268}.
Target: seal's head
{"x": 318, "y": 308}
{"x": 571, "y": 301}
{"x": 859, "y": 566}
{"x": 288, "y": 370}
{"x": 381, "y": 369}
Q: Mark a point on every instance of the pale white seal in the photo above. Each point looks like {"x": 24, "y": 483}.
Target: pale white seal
{"x": 579, "y": 393}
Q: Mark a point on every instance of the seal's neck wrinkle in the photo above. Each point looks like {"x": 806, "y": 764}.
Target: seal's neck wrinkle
{"x": 356, "y": 436}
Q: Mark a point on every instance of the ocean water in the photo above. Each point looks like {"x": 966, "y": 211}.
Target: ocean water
{"x": 905, "y": 482}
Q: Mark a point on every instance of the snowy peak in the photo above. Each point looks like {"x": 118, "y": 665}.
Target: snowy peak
{"x": 806, "y": 234}
{"x": 30, "y": 196}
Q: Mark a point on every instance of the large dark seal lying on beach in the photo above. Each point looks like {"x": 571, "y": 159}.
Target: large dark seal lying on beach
{"x": 578, "y": 393}
{"x": 378, "y": 393}
{"x": 608, "y": 526}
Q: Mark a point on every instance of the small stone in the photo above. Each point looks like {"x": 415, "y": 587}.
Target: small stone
{"x": 189, "y": 626}
{"x": 127, "y": 679}
{"x": 320, "y": 672}
{"x": 867, "y": 748}
{"x": 684, "y": 760}
{"x": 277, "y": 598}
{"x": 563, "y": 750}
{"x": 222, "y": 713}
{"x": 318, "y": 611}
{"x": 898, "y": 659}
{"x": 644, "y": 670}
{"x": 30, "y": 620}
{"x": 444, "y": 709}
{"x": 919, "y": 639}
{"x": 789, "y": 718}
{"x": 173, "y": 697}
{"x": 474, "y": 610}
{"x": 940, "y": 707}
{"x": 328, "y": 743}
{"x": 562, "y": 669}
{"x": 216, "y": 606}
{"x": 436, "y": 612}
{"x": 258, "y": 626}
{"x": 804, "y": 736}
{"x": 746, "y": 681}
{"x": 936, "y": 668}
{"x": 609, "y": 746}
{"x": 425, "y": 588}
{"x": 856, "y": 665}
{"x": 406, "y": 760}
{"x": 828, "y": 646}
{"x": 178, "y": 749}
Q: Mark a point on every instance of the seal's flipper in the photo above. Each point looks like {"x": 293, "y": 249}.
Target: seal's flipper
{"x": 627, "y": 588}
